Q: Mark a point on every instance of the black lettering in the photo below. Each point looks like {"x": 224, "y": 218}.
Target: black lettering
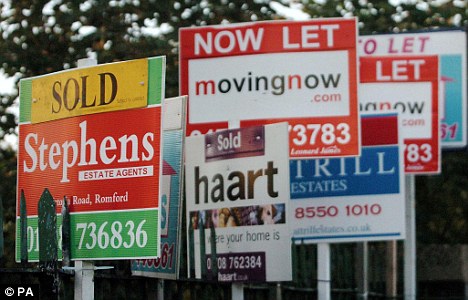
{"x": 252, "y": 177}
{"x": 270, "y": 171}
{"x": 103, "y": 88}
{"x": 76, "y": 94}
{"x": 218, "y": 188}
{"x": 56, "y": 96}
{"x": 227, "y": 86}
{"x": 199, "y": 180}
{"x": 334, "y": 81}
{"x": 240, "y": 185}
{"x": 83, "y": 93}
{"x": 315, "y": 84}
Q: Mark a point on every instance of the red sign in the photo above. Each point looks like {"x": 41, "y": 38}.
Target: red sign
{"x": 102, "y": 162}
{"x": 258, "y": 73}
{"x": 408, "y": 85}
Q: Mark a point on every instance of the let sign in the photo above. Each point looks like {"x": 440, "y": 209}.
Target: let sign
{"x": 409, "y": 85}
{"x": 267, "y": 72}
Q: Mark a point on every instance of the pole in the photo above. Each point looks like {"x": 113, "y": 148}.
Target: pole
{"x": 237, "y": 289}
{"x": 410, "y": 242}
{"x": 392, "y": 268}
{"x": 84, "y": 270}
{"x": 160, "y": 289}
{"x": 323, "y": 271}
{"x": 362, "y": 268}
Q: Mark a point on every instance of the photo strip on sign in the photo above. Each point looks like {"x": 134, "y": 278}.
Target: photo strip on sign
{"x": 409, "y": 85}
{"x": 237, "y": 202}
{"x": 303, "y": 73}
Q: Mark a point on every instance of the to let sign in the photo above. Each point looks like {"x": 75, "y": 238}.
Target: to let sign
{"x": 409, "y": 85}
{"x": 266, "y": 72}
{"x": 451, "y": 48}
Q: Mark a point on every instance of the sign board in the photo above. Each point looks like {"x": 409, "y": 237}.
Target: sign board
{"x": 356, "y": 198}
{"x": 237, "y": 203}
{"x": 408, "y": 84}
{"x": 304, "y": 73}
{"x": 167, "y": 265}
{"x": 451, "y": 48}
{"x": 107, "y": 166}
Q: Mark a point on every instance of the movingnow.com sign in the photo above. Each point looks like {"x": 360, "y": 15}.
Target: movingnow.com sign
{"x": 304, "y": 73}
{"x": 352, "y": 199}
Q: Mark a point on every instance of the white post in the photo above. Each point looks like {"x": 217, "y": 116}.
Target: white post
{"x": 237, "y": 291}
{"x": 160, "y": 289}
{"x": 84, "y": 270}
{"x": 323, "y": 271}
{"x": 410, "y": 241}
{"x": 84, "y": 280}
{"x": 362, "y": 270}
{"x": 392, "y": 268}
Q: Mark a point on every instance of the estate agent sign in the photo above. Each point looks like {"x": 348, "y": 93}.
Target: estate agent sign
{"x": 79, "y": 139}
{"x": 304, "y": 73}
{"x": 237, "y": 204}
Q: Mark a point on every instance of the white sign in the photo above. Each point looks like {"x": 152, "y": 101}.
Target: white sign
{"x": 237, "y": 203}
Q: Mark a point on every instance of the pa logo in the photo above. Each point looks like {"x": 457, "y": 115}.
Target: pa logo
{"x": 19, "y": 291}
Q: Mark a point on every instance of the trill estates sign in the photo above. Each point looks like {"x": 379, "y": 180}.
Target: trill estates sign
{"x": 266, "y": 72}
{"x": 107, "y": 165}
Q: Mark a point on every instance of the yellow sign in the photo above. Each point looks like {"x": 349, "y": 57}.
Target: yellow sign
{"x": 84, "y": 91}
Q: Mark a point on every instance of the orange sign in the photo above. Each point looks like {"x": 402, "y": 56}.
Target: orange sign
{"x": 101, "y": 162}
